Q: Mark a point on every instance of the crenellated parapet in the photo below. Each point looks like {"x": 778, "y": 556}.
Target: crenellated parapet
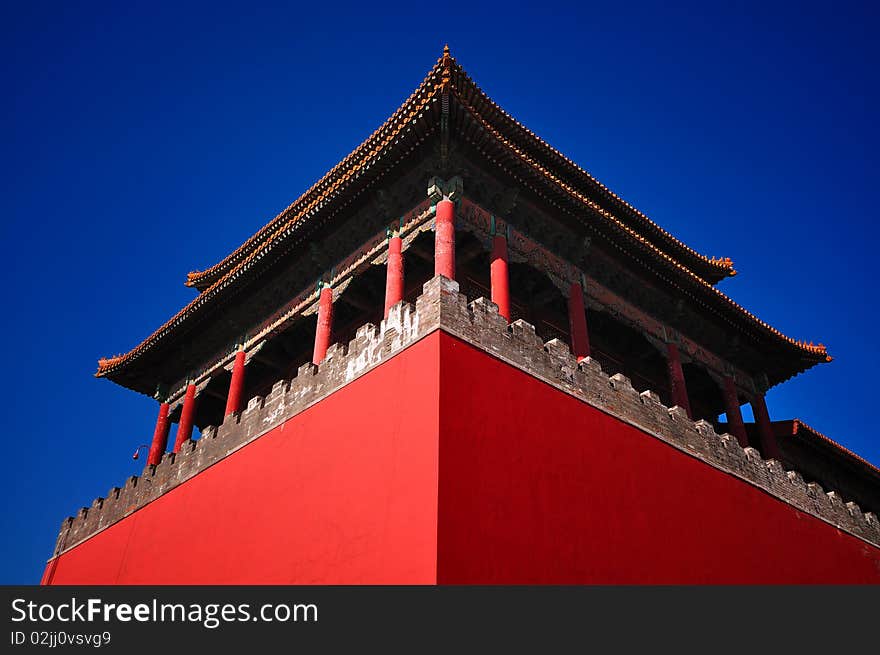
{"x": 442, "y": 307}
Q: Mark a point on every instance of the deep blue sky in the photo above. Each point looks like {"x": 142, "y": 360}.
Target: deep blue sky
{"x": 141, "y": 141}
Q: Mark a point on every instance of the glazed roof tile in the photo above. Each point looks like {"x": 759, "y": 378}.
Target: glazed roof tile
{"x": 798, "y": 426}
{"x": 523, "y": 145}
{"x": 447, "y": 75}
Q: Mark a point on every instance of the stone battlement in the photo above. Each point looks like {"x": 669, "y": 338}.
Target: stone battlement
{"x": 441, "y": 306}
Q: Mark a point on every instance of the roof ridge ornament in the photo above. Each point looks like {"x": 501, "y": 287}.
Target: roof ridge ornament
{"x": 725, "y": 263}
{"x": 446, "y": 62}
{"x": 446, "y": 59}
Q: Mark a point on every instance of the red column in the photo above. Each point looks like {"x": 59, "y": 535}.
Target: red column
{"x": 500, "y": 276}
{"x": 185, "y": 427}
{"x": 325, "y": 325}
{"x": 160, "y": 436}
{"x": 734, "y": 415}
{"x": 444, "y": 239}
{"x": 577, "y": 322}
{"x": 236, "y": 385}
{"x": 393, "y": 274}
{"x": 769, "y": 448}
{"x": 676, "y": 379}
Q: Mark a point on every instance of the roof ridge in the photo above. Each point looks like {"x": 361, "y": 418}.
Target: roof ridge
{"x": 796, "y": 422}
{"x": 722, "y": 263}
{"x": 107, "y": 363}
{"x": 194, "y": 277}
{"x": 814, "y": 349}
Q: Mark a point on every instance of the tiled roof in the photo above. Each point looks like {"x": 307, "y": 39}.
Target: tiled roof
{"x": 448, "y": 75}
{"x": 543, "y": 160}
{"x": 798, "y": 427}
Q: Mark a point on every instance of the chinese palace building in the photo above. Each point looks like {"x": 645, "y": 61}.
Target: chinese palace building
{"x": 459, "y": 358}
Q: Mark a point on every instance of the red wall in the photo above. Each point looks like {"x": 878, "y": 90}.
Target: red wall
{"x": 533, "y": 487}
{"x": 538, "y": 487}
{"x": 345, "y": 492}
